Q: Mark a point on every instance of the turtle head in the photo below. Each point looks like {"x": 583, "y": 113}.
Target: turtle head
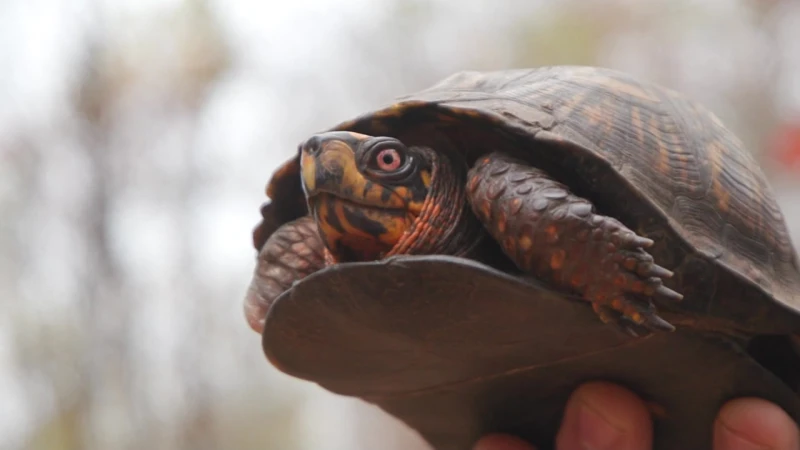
{"x": 374, "y": 196}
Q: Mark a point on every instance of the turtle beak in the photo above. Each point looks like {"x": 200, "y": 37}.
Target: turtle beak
{"x": 328, "y": 163}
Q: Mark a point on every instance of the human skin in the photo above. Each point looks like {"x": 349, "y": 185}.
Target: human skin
{"x": 601, "y": 416}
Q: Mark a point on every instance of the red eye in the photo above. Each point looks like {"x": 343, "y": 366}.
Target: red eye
{"x": 389, "y": 160}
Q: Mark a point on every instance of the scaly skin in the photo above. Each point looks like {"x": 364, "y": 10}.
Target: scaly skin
{"x": 292, "y": 253}
{"x": 556, "y": 236}
{"x": 367, "y": 204}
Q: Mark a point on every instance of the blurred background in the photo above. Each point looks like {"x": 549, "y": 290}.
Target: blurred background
{"x": 136, "y": 138}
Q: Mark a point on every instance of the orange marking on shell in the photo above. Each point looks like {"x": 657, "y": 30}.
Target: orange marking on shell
{"x": 636, "y": 317}
{"x": 570, "y": 104}
{"x": 614, "y": 84}
{"x": 658, "y": 138}
{"x": 441, "y": 117}
{"x": 629, "y": 89}
{"x": 714, "y": 152}
{"x": 396, "y": 109}
{"x": 593, "y": 114}
{"x": 557, "y": 259}
{"x": 608, "y": 119}
{"x": 471, "y": 113}
{"x": 617, "y": 304}
{"x": 636, "y": 118}
{"x": 663, "y": 159}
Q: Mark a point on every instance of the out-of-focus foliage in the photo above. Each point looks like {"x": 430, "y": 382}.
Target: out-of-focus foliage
{"x": 136, "y": 139}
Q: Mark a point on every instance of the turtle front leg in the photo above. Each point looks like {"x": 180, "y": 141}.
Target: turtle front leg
{"x": 293, "y": 252}
{"x": 557, "y": 237}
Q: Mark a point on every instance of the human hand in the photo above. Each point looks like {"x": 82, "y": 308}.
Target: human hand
{"x": 602, "y": 416}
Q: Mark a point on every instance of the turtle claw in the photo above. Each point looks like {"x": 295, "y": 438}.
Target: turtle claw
{"x": 665, "y": 293}
{"x": 653, "y": 270}
{"x": 629, "y": 325}
{"x": 632, "y": 241}
{"x": 656, "y": 323}
{"x": 615, "y": 319}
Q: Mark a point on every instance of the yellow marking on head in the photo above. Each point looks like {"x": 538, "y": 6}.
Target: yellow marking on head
{"x": 426, "y": 178}
{"x": 309, "y": 172}
{"x": 339, "y": 232}
{"x": 358, "y": 216}
{"x": 337, "y": 160}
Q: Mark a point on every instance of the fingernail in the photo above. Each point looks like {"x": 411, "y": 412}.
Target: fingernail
{"x": 595, "y": 432}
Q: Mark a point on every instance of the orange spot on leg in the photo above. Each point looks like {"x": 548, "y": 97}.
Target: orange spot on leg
{"x": 525, "y": 243}
{"x": 577, "y": 280}
{"x": 516, "y": 205}
{"x": 501, "y": 222}
{"x": 557, "y": 259}
{"x": 552, "y": 234}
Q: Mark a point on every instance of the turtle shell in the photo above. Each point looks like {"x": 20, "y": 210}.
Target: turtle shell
{"x": 456, "y": 348}
{"x": 663, "y": 165}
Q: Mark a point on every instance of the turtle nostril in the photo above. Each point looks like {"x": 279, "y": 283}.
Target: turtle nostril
{"x": 312, "y": 145}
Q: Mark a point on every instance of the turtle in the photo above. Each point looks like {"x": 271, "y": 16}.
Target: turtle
{"x": 620, "y": 195}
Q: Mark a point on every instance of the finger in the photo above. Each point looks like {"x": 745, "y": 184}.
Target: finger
{"x": 602, "y": 416}
{"x": 752, "y": 423}
{"x": 502, "y": 442}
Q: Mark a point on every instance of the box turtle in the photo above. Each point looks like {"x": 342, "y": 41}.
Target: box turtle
{"x": 468, "y": 254}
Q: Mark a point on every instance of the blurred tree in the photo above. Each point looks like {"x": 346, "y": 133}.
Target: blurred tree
{"x": 163, "y": 115}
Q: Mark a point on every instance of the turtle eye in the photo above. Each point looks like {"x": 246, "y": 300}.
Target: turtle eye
{"x": 388, "y": 160}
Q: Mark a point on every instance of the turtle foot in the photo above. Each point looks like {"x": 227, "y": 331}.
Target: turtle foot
{"x": 290, "y": 254}
{"x": 558, "y": 237}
